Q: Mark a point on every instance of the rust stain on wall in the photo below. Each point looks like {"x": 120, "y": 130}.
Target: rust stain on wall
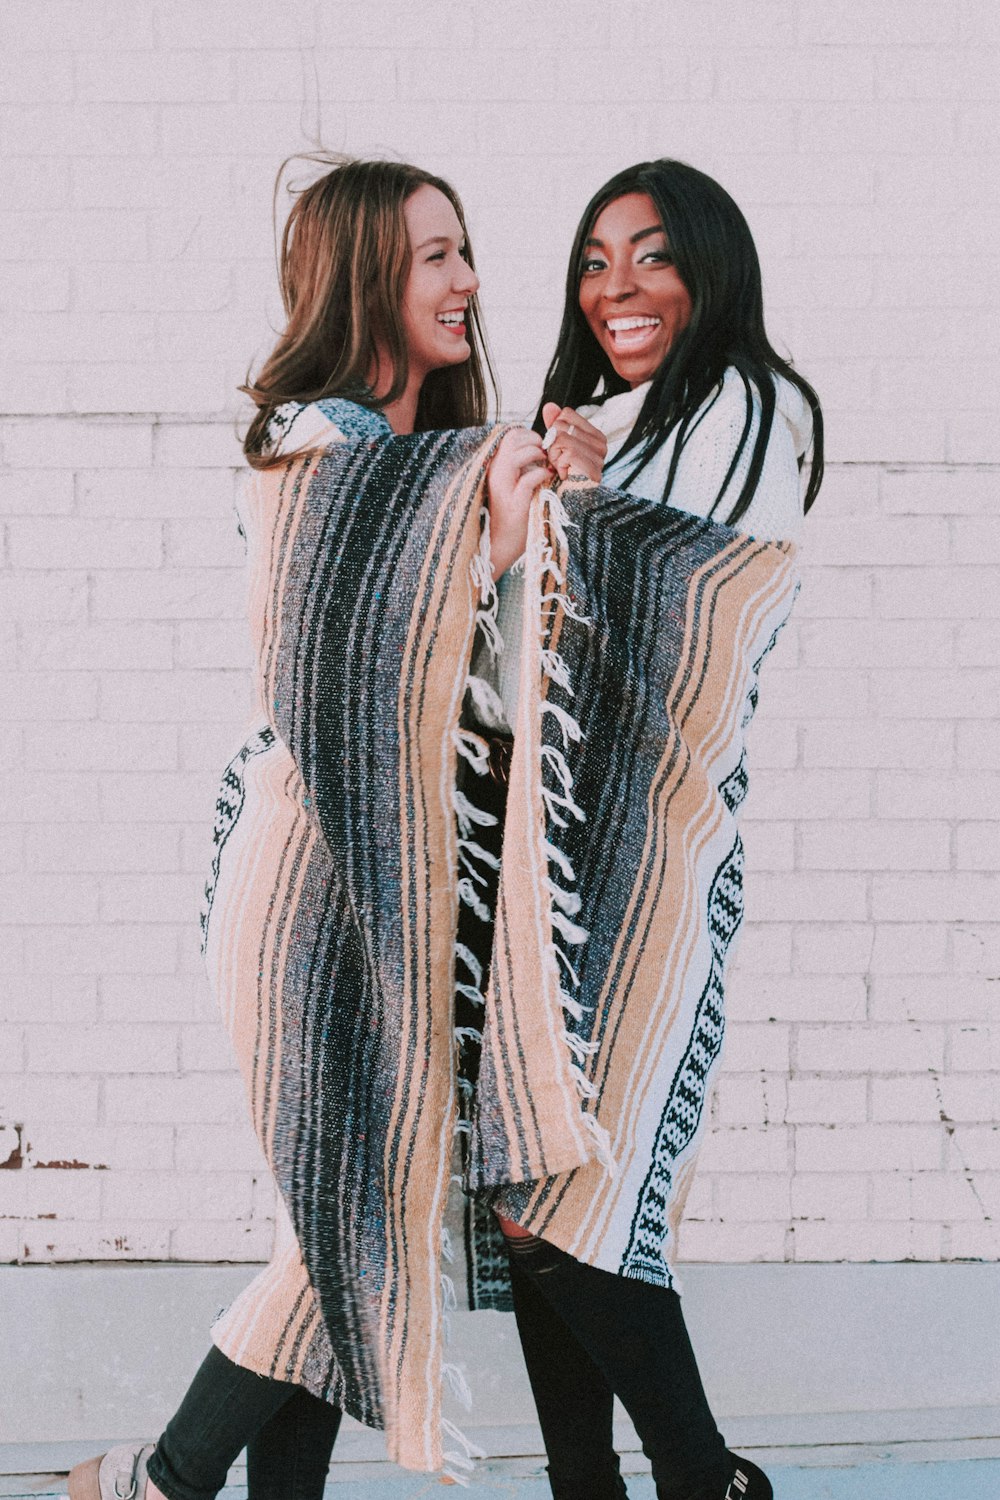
{"x": 15, "y": 1159}
{"x": 70, "y": 1166}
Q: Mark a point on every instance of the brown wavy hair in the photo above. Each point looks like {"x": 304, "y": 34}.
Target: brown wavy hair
{"x": 342, "y": 267}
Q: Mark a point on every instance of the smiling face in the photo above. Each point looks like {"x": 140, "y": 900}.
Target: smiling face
{"x": 439, "y": 284}
{"x": 631, "y": 294}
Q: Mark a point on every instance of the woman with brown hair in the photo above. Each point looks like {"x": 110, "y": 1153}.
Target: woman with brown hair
{"x": 362, "y": 524}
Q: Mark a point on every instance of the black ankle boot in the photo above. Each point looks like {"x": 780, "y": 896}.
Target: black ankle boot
{"x": 747, "y": 1482}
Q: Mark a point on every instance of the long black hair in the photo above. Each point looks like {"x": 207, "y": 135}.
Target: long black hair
{"x": 716, "y": 258}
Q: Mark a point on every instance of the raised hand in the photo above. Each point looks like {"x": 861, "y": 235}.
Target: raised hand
{"x": 578, "y": 448}
{"x": 516, "y": 470}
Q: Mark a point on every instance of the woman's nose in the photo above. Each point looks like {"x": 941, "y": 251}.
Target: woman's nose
{"x": 620, "y": 283}
{"x": 466, "y": 282}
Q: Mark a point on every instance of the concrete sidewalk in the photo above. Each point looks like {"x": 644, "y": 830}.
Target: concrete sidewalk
{"x": 872, "y": 1419}
{"x": 884, "y": 1475}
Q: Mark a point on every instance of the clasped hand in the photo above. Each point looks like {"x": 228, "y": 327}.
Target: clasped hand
{"x": 521, "y": 464}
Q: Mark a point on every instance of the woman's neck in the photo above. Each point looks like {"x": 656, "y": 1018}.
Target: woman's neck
{"x": 401, "y": 414}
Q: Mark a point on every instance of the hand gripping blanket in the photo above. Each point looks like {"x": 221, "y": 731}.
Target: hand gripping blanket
{"x": 343, "y": 850}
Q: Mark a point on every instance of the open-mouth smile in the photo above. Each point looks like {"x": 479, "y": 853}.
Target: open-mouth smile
{"x": 454, "y": 321}
{"x": 633, "y": 333}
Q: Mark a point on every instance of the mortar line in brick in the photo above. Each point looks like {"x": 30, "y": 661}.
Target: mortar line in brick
{"x": 224, "y": 417}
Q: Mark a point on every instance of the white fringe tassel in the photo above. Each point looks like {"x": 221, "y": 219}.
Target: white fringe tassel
{"x": 459, "y": 1386}
{"x": 474, "y": 748}
{"x": 469, "y": 815}
{"x": 459, "y": 1465}
{"x": 486, "y": 698}
{"x": 559, "y": 801}
{"x": 471, "y": 962}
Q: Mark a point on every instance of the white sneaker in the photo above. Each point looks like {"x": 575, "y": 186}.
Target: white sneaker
{"x": 119, "y": 1474}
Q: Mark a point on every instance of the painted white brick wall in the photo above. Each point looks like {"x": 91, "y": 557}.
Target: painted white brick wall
{"x": 856, "y": 1115}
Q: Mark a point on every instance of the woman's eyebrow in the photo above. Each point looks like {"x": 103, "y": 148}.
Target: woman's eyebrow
{"x": 633, "y": 239}
{"x": 436, "y": 239}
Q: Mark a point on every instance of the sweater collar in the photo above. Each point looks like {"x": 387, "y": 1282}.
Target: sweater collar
{"x": 617, "y": 414}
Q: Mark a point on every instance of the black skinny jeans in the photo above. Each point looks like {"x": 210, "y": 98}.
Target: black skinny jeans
{"x": 588, "y": 1336}
{"x": 288, "y": 1434}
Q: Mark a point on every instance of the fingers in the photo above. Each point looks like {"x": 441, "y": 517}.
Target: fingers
{"x": 518, "y": 467}
{"x": 516, "y": 470}
{"x": 530, "y": 478}
{"x": 578, "y": 453}
{"x": 519, "y": 447}
{"x": 518, "y": 452}
{"x": 576, "y": 446}
{"x": 569, "y": 423}
{"x": 579, "y": 442}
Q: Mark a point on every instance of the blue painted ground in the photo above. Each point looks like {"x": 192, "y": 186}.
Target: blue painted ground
{"x": 968, "y": 1479}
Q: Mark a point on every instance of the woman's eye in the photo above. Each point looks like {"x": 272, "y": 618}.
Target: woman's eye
{"x": 593, "y": 264}
{"x": 662, "y": 257}
{"x": 438, "y": 255}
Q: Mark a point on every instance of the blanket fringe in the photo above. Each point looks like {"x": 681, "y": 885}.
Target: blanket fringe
{"x": 468, "y": 850}
{"x": 471, "y": 962}
{"x": 467, "y": 894}
{"x": 489, "y": 704}
{"x": 557, "y": 857}
{"x": 564, "y": 903}
{"x": 459, "y": 1465}
{"x": 459, "y": 1386}
{"x": 568, "y": 900}
{"x": 569, "y": 726}
{"x": 560, "y": 805}
{"x": 473, "y": 748}
{"x": 469, "y": 814}
{"x": 471, "y": 857}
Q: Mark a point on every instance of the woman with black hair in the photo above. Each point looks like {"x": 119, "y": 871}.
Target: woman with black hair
{"x": 664, "y": 264}
{"x": 663, "y": 361}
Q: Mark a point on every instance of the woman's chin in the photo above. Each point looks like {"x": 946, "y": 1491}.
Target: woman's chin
{"x": 636, "y": 371}
{"x": 456, "y": 356}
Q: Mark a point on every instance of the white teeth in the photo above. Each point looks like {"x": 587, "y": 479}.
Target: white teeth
{"x": 451, "y": 320}
{"x": 622, "y": 325}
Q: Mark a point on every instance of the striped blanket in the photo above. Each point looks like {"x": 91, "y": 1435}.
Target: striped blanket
{"x": 343, "y": 849}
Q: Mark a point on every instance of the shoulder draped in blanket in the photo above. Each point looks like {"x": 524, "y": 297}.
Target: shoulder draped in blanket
{"x": 343, "y": 851}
